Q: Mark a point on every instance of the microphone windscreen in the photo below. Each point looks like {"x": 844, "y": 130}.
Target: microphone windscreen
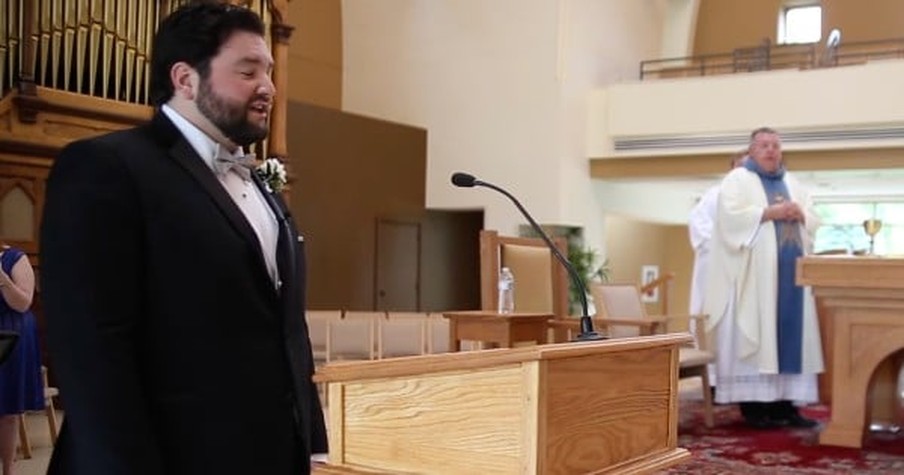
{"x": 463, "y": 179}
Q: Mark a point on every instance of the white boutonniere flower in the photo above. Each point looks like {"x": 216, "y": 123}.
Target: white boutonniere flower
{"x": 273, "y": 173}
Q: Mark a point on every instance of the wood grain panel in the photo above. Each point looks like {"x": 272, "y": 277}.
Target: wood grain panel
{"x": 393, "y": 424}
{"x": 618, "y": 405}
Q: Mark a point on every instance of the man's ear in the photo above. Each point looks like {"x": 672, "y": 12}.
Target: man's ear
{"x": 185, "y": 80}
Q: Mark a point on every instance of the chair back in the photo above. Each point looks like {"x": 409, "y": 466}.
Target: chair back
{"x": 353, "y": 337}
{"x": 541, "y": 283}
{"x": 402, "y": 334}
{"x": 317, "y": 321}
{"x": 438, "y": 333}
{"x": 619, "y": 301}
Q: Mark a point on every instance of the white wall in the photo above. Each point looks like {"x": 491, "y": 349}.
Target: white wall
{"x": 651, "y": 201}
{"x": 501, "y": 86}
{"x": 679, "y": 29}
{"x": 603, "y": 42}
{"x": 844, "y": 98}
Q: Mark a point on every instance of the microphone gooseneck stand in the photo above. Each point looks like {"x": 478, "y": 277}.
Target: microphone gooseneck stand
{"x": 587, "y": 333}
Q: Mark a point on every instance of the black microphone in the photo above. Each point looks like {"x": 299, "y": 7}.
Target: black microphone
{"x": 465, "y": 180}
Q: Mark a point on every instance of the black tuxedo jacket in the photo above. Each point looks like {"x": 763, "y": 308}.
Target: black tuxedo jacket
{"x": 173, "y": 350}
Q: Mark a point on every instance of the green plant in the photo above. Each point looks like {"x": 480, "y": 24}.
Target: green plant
{"x": 584, "y": 261}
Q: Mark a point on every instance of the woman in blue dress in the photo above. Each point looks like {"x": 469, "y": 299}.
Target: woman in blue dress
{"x": 21, "y": 387}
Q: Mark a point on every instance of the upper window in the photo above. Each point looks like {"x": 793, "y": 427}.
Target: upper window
{"x": 800, "y": 24}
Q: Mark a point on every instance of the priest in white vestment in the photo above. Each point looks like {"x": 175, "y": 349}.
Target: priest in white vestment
{"x": 700, "y": 230}
{"x": 764, "y": 326}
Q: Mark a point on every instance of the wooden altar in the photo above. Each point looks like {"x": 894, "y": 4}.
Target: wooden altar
{"x": 863, "y": 302}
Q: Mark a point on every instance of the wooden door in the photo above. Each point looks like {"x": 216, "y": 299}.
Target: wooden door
{"x": 397, "y": 267}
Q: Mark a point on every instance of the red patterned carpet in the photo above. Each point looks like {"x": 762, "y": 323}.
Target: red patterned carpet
{"x": 732, "y": 448}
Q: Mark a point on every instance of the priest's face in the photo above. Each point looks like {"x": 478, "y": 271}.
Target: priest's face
{"x": 766, "y": 151}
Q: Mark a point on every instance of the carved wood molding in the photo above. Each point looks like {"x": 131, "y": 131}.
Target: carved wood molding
{"x": 79, "y": 105}
{"x": 7, "y": 184}
{"x": 41, "y": 122}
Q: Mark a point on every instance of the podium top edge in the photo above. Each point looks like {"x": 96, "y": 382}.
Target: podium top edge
{"x": 482, "y": 359}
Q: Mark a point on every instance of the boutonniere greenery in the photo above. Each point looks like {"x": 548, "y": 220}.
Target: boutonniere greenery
{"x": 273, "y": 173}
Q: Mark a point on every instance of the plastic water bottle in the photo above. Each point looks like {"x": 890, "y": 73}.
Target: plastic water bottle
{"x": 506, "y": 291}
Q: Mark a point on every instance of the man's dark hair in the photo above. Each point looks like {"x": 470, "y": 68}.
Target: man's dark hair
{"x": 194, "y": 34}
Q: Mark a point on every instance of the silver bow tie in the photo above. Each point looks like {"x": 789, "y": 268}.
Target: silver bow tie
{"x": 241, "y": 165}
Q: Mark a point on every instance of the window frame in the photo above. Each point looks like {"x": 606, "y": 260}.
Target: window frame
{"x": 782, "y": 33}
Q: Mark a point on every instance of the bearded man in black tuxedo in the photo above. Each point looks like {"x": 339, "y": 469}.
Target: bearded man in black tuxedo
{"x": 173, "y": 280}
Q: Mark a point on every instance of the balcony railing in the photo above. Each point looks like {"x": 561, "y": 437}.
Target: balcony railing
{"x": 766, "y": 57}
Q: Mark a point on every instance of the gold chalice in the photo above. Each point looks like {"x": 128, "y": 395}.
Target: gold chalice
{"x": 872, "y": 227}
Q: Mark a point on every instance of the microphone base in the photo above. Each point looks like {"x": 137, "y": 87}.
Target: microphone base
{"x": 590, "y": 336}
{"x": 587, "y": 333}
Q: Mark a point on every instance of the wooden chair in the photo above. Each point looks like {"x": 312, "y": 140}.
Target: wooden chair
{"x": 402, "y": 334}
{"x": 50, "y": 392}
{"x": 541, "y": 283}
{"x": 662, "y": 285}
{"x": 613, "y": 327}
{"x": 625, "y": 315}
{"x": 353, "y": 337}
{"x": 317, "y": 321}
{"x": 620, "y": 309}
{"x": 437, "y": 333}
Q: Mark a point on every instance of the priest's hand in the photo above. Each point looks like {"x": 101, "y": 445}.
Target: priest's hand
{"x": 796, "y": 213}
{"x": 783, "y": 211}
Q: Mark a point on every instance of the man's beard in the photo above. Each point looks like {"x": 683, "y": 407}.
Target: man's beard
{"x": 230, "y": 117}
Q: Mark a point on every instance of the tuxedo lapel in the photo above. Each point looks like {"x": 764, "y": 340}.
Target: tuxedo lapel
{"x": 186, "y": 156}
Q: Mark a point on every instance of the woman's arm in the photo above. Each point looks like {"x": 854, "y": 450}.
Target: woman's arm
{"x": 18, "y": 287}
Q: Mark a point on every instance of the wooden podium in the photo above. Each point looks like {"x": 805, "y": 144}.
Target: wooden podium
{"x": 597, "y": 407}
{"x": 863, "y": 331}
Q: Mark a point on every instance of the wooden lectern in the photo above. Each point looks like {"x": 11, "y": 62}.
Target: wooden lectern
{"x": 595, "y": 407}
{"x": 864, "y": 330}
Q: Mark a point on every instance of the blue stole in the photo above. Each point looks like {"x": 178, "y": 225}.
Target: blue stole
{"x": 790, "y": 305}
